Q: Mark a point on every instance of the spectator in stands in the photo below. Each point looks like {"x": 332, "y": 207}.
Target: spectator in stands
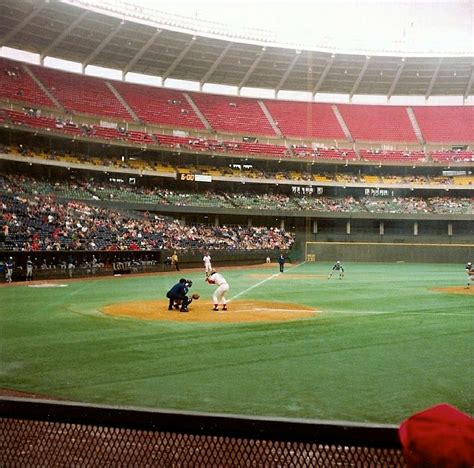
{"x": 440, "y": 436}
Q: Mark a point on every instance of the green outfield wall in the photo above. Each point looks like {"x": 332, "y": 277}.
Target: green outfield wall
{"x": 389, "y": 252}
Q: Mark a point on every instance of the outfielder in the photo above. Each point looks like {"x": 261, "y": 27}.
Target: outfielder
{"x": 222, "y": 288}
{"x": 207, "y": 263}
{"x": 337, "y": 267}
{"x": 470, "y": 273}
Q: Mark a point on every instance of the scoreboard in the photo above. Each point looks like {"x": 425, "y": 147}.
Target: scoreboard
{"x": 187, "y": 177}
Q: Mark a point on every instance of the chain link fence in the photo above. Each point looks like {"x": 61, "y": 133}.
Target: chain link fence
{"x": 50, "y": 434}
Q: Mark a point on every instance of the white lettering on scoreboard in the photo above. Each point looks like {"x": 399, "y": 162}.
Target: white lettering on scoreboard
{"x": 296, "y": 189}
{"x": 378, "y": 192}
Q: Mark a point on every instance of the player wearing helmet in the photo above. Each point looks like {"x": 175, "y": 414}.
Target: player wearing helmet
{"x": 337, "y": 267}
{"x": 222, "y": 288}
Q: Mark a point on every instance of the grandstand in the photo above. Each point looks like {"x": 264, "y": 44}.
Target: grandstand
{"x": 129, "y": 173}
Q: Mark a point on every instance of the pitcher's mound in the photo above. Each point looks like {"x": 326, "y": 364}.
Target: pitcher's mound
{"x": 456, "y": 290}
{"x": 200, "y": 311}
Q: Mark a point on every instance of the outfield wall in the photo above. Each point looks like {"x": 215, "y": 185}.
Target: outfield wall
{"x": 389, "y": 252}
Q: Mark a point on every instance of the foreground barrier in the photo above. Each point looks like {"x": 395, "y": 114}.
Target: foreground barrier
{"x": 46, "y": 433}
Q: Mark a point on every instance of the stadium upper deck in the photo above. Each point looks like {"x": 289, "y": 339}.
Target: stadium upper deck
{"x": 71, "y": 94}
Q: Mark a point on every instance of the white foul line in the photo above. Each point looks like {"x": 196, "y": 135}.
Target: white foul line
{"x": 263, "y": 281}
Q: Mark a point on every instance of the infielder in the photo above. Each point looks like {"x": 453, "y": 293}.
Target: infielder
{"x": 470, "y": 273}
{"x": 337, "y": 267}
{"x": 222, "y": 288}
{"x": 207, "y": 264}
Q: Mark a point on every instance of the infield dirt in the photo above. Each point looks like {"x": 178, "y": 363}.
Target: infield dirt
{"x": 201, "y": 311}
{"x": 456, "y": 290}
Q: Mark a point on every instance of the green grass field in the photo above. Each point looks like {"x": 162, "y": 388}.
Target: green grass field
{"x": 383, "y": 345}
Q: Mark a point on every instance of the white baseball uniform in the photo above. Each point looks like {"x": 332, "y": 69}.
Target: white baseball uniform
{"x": 222, "y": 288}
{"x": 207, "y": 263}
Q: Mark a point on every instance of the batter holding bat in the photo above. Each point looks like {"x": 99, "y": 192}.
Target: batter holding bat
{"x": 222, "y": 288}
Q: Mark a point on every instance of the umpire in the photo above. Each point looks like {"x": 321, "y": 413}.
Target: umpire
{"x": 179, "y": 294}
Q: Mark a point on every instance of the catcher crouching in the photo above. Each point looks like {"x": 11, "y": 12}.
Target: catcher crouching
{"x": 178, "y": 295}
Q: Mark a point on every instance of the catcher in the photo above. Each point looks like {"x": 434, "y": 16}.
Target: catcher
{"x": 178, "y": 295}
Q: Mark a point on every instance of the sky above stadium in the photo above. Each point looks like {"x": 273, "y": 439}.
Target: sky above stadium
{"x": 411, "y": 26}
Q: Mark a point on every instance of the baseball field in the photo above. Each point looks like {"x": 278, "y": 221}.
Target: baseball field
{"x": 375, "y": 346}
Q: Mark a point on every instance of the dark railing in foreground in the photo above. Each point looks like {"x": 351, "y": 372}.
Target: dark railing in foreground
{"x": 46, "y": 433}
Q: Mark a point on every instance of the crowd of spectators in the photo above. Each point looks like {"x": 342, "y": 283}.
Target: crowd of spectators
{"x": 41, "y": 223}
{"x": 83, "y": 189}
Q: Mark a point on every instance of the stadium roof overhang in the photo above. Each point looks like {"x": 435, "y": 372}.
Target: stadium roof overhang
{"x": 57, "y": 29}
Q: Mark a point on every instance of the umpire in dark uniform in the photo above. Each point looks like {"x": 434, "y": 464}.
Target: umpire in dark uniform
{"x": 281, "y": 263}
{"x": 179, "y": 294}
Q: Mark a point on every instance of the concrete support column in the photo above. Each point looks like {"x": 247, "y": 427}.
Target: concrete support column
{"x": 381, "y": 228}
{"x": 216, "y": 221}
{"x": 348, "y": 227}
{"x": 282, "y": 224}
{"x": 249, "y": 221}
{"x": 450, "y": 229}
{"x": 415, "y": 228}
{"x": 183, "y": 220}
{"x": 315, "y": 226}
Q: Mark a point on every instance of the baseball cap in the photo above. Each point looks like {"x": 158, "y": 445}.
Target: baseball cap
{"x": 440, "y": 436}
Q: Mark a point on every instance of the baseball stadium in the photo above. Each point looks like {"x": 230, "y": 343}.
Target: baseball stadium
{"x": 223, "y": 247}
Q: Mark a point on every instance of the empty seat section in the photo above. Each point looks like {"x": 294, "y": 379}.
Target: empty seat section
{"x": 446, "y": 124}
{"x": 256, "y": 148}
{"x": 392, "y": 155}
{"x": 17, "y": 85}
{"x": 305, "y": 119}
{"x": 452, "y": 156}
{"x": 159, "y": 106}
{"x": 233, "y": 114}
{"x": 378, "y": 123}
{"x": 21, "y": 118}
{"x": 80, "y": 93}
